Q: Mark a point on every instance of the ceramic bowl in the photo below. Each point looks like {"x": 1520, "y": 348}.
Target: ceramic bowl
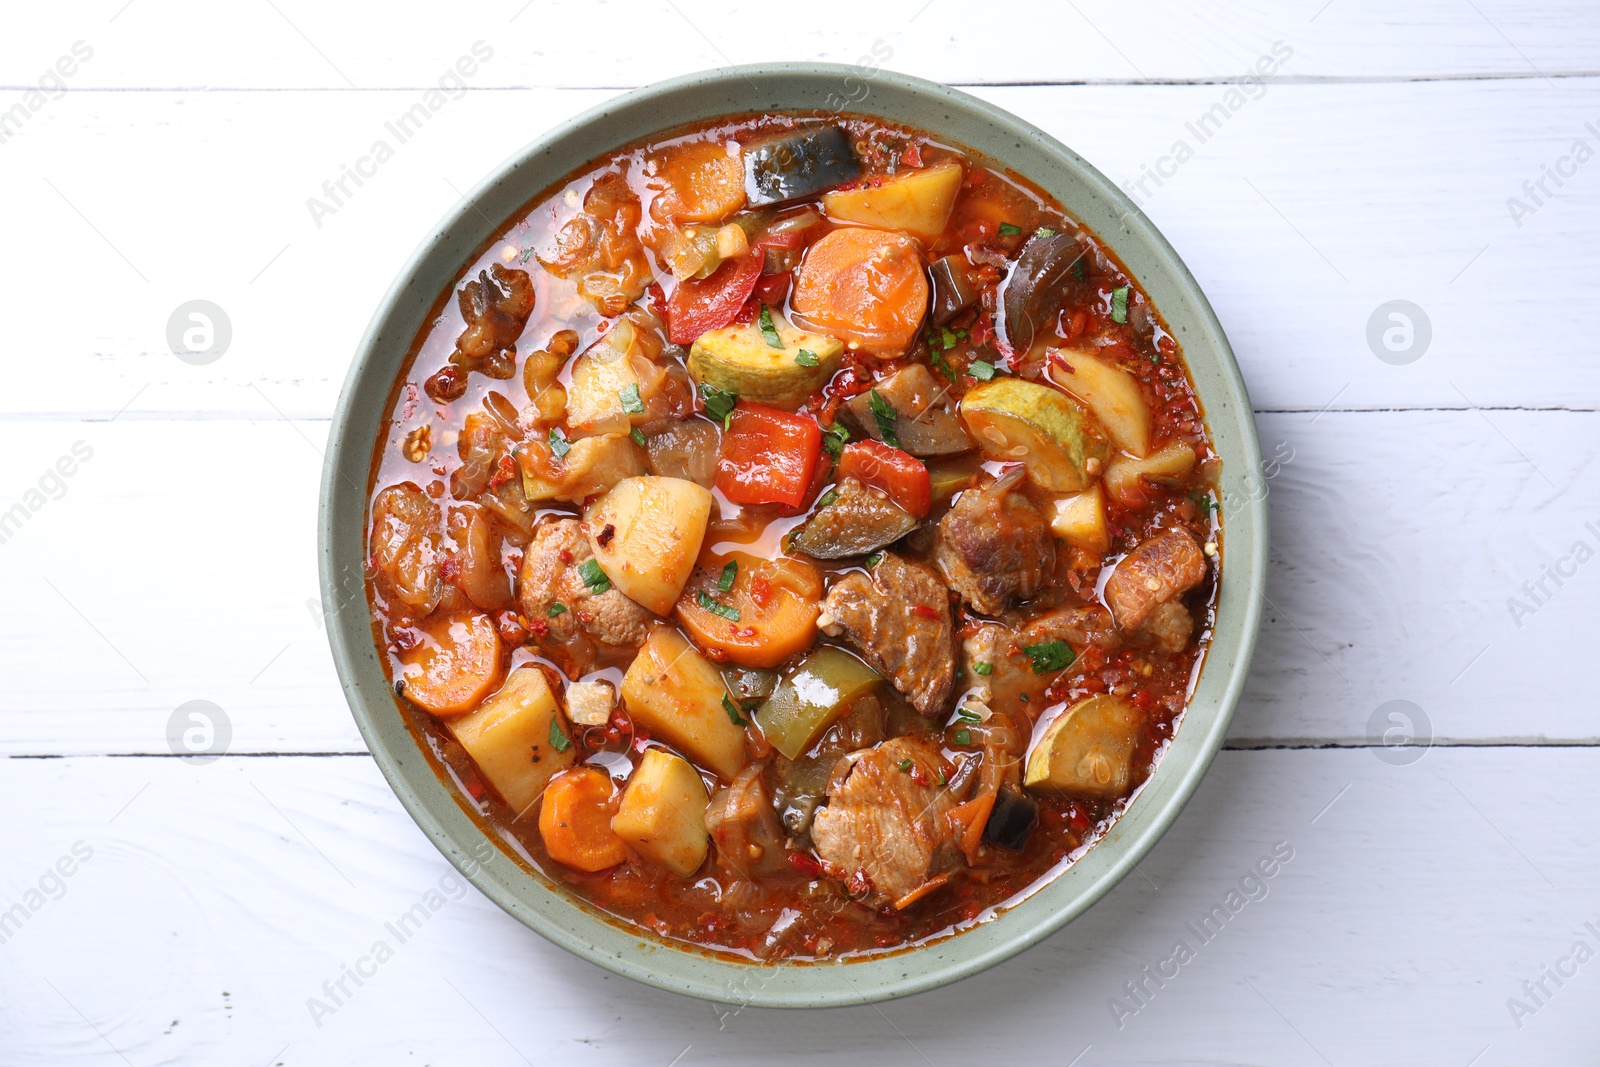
{"x": 808, "y": 88}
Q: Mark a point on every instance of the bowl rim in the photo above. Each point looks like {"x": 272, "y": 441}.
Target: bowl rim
{"x": 585, "y": 930}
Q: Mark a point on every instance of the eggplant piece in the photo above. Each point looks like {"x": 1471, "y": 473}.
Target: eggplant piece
{"x": 952, "y": 289}
{"x": 858, "y": 521}
{"x": 820, "y": 692}
{"x": 925, "y": 424}
{"x": 799, "y": 792}
{"x": 1012, "y": 820}
{"x": 797, "y": 164}
{"x": 1045, "y": 278}
{"x": 750, "y": 683}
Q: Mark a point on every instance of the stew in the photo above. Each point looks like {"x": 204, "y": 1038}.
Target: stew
{"x": 797, "y": 537}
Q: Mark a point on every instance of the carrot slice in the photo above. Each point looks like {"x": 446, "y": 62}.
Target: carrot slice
{"x": 969, "y": 820}
{"x": 575, "y": 820}
{"x": 767, "y": 614}
{"x": 863, "y": 286}
{"x": 705, "y": 181}
{"x": 456, "y": 665}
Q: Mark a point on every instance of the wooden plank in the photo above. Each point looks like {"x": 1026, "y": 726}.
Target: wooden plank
{"x": 178, "y": 564}
{"x": 217, "y": 900}
{"x": 1309, "y": 209}
{"x": 294, "y": 44}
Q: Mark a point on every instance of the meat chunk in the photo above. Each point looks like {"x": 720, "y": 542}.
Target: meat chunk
{"x": 590, "y": 703}
{"x": 600, "y": 247}
{"x": 900, "y": 621}
{"x": 586, "y": 625}
{"x": 744, "y": 826}
{"x": 403, "y": 548}
{"x": 994, "y": 546}
{"x": 1011, "y": 676}
{"x": 1168, "y": 627}
{"x": 1164, "y": 566}
{"x": 884, "y": 827}
{"x": 495, "y": 306}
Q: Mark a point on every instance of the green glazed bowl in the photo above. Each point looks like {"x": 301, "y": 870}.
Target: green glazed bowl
{"x": 809, "y": 88}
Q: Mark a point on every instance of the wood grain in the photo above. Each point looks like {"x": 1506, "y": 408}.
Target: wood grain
{"x": 1408, "y": 201}
{"x": 562, "y": 43}
{"x": 1410, "y": 505}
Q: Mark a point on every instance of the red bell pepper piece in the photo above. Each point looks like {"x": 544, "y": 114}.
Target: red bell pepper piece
{"x": 897, "y": 473}
{"x": 768, "y": 456}
{"x": 702, "y": 304}
{"x": 772, "y": 288}
{"x": 698, "y": 305}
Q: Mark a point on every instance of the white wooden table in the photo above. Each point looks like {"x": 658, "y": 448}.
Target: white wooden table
{"x": 1435, "y": 897}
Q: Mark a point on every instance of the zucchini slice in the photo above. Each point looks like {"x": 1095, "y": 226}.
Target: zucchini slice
{"x": 1040, "y": 427}
{"x": 1088, "y": 751}
{"x": 738, "y": 359}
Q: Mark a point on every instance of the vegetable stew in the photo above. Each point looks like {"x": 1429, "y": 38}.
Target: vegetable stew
{"x": 795, "y": 537}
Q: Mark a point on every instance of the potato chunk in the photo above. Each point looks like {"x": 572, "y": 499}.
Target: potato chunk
{"x": 517, "y": 739}
{"x": 918, "y": 202}
{"x": 1168, "y": 465}
{"x": 1080, "y": 520}
{"x": 1111, "y": 394}
{"x": 663, "y": 813}
{"x": 646, "y": 535}
{"x": 676, "y": 694}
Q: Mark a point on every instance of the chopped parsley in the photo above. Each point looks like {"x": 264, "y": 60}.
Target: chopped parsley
{"x": 1078, "y": 270}
{"x": 716, "y": 607}
{"x": 885, "y": 416}
{"x": 834, "y": 438}
{"x": 593, "y": 577}
{"x": 947, "y": 338}
{"x": 942, "y": 780}
{"x": 1008, "y": 230}
{"x": 556, "y": 609}
{"x": 733, "y": 711}
{"x": 981, "y": 370}
{"x": 807, "y": 358}
{"x": 638, "y": 436}
{"x": 872, "y": 560}
{"x": 1050, "y": 656}
{"x": 1119, "y": 304}
{"x": 632, "y": 403}
{"x": 558, "y": 740}
{"x": 904, "y": 765}
{"x": 558, "y": 443}
{"x": 983, "y": 668}
{"x": 962, "y": 736}
{"x": 827, "y": 498}
{"x": 1044, "y": 231}
{"x": 1204, "y": 502}
{"x": 729, "y": 573}
{"x": 719, "y": 404}
{"x": 968, "y": 715}
{"x": 941, "y": 364}
{"x": 769, "y": 332}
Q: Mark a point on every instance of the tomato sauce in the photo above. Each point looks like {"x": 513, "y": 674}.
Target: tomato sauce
{"x": 493, "y": 420}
